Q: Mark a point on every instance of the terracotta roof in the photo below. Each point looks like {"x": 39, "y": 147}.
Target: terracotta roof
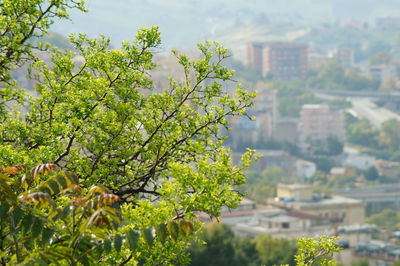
{"x": 303, "y": 216}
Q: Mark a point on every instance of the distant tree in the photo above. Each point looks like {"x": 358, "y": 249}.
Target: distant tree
{"x": 330, "y": 75}
{"x": 386, "y": 220}
{"x": 333, "y": 146}
{"x": 395, "y": 156}
{"x": 357, "y": 263}
{"x": 323, "y": 164}
{"x": 361, "y": 132}
{"x": 340, "y": 104}
{"x": 360, "y": 263}
{"x": 244, "y": 72}
{"x": 219, "y": 249}
{"x": 261, "y": 186}
{"x": 380, "y": 58}
{"x": 389, "y": 135}
{"x": 246, "y": 252}
{"x": 275, "y": 251}
{"x": 371, "y": 174}
{"x": 223, "y": 248}
{"x": 320, "y": 178}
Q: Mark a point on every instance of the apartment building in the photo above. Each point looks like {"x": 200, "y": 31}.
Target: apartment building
{"x": 318, "y": 122}
{"x": 281, "y": 60}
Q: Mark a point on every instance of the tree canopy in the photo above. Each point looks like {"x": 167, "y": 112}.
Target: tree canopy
{"x": 96, "y": 113}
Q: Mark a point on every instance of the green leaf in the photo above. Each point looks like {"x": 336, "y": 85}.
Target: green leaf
{"x": 66, "y": 211}
{"x": 47, "y": 233}
{"x": 133, "y": 237}
{"x": 62, "y": 180}
{"x": 6, "y": 189}
{"x": 40, "y": 261}
{"x": 148, "y": 236}
{"x": 85, "y": 260}
{"x": 37, "y": 227}
{"x": 4, "y": 207}
{"x": 17, "y": 214}
{"x": 27, "y": 222}
{"x": 45, "y": 189}
{"x": 54, "y": 186}
{"x": 107, "y": 246}
{"x": 161, "y": 232}
{"x": 118, "y": 243}
{"x": 173, "y": 229}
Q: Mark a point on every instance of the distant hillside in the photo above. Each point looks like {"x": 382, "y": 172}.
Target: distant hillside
{"x": 185, "y": 22}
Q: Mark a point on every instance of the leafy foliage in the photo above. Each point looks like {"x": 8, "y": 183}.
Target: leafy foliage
{"x": 67, "y": 223}
{"x": 20, "y": 21}
{"x": 386, "y": 220}
{"x": 360, "y": 132}
{"x": 146, "y": 158}
{"x": 331, "y": 76}
{"x": 316, "y": 251}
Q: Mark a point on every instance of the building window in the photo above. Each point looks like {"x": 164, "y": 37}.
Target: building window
{"x": 285, "y": 225}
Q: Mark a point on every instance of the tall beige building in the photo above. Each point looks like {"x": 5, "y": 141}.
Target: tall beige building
{"x": 254, "y": 55}
{"x": 266, "y": 109}
{"x": 282, "y": 60}
{"x": 318, "y": 122}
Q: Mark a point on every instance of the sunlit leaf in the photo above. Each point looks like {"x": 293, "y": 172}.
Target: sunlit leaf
{"x": 98, "y": 190}
{"x": 186, "y": 227}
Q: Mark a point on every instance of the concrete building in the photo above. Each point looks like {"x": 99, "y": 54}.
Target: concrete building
{"x": 318, "y": 122}
{"x": 285, "y": 60}
{"x": 281, "y": 223}
{"x": 353, "y": 157}
{"x": 245, "y": 133}
{"x": 282, "y": 60}
{"x": 305, "y": 169}
{"x": 266, "y": 110}
{"x": 287, "y": 129}
{"x": 343, "y": 171}
{"x": 252, "y": 219}
{"x": 254, "y": 56}
{"x": 337, "y": 209}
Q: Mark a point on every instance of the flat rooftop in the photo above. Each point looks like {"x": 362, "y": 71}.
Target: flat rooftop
{"x": 333, "y": 200}
{"x": 294, "y": 186}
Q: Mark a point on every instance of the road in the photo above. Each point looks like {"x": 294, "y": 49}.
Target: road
{"x": 366, "y": 108}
